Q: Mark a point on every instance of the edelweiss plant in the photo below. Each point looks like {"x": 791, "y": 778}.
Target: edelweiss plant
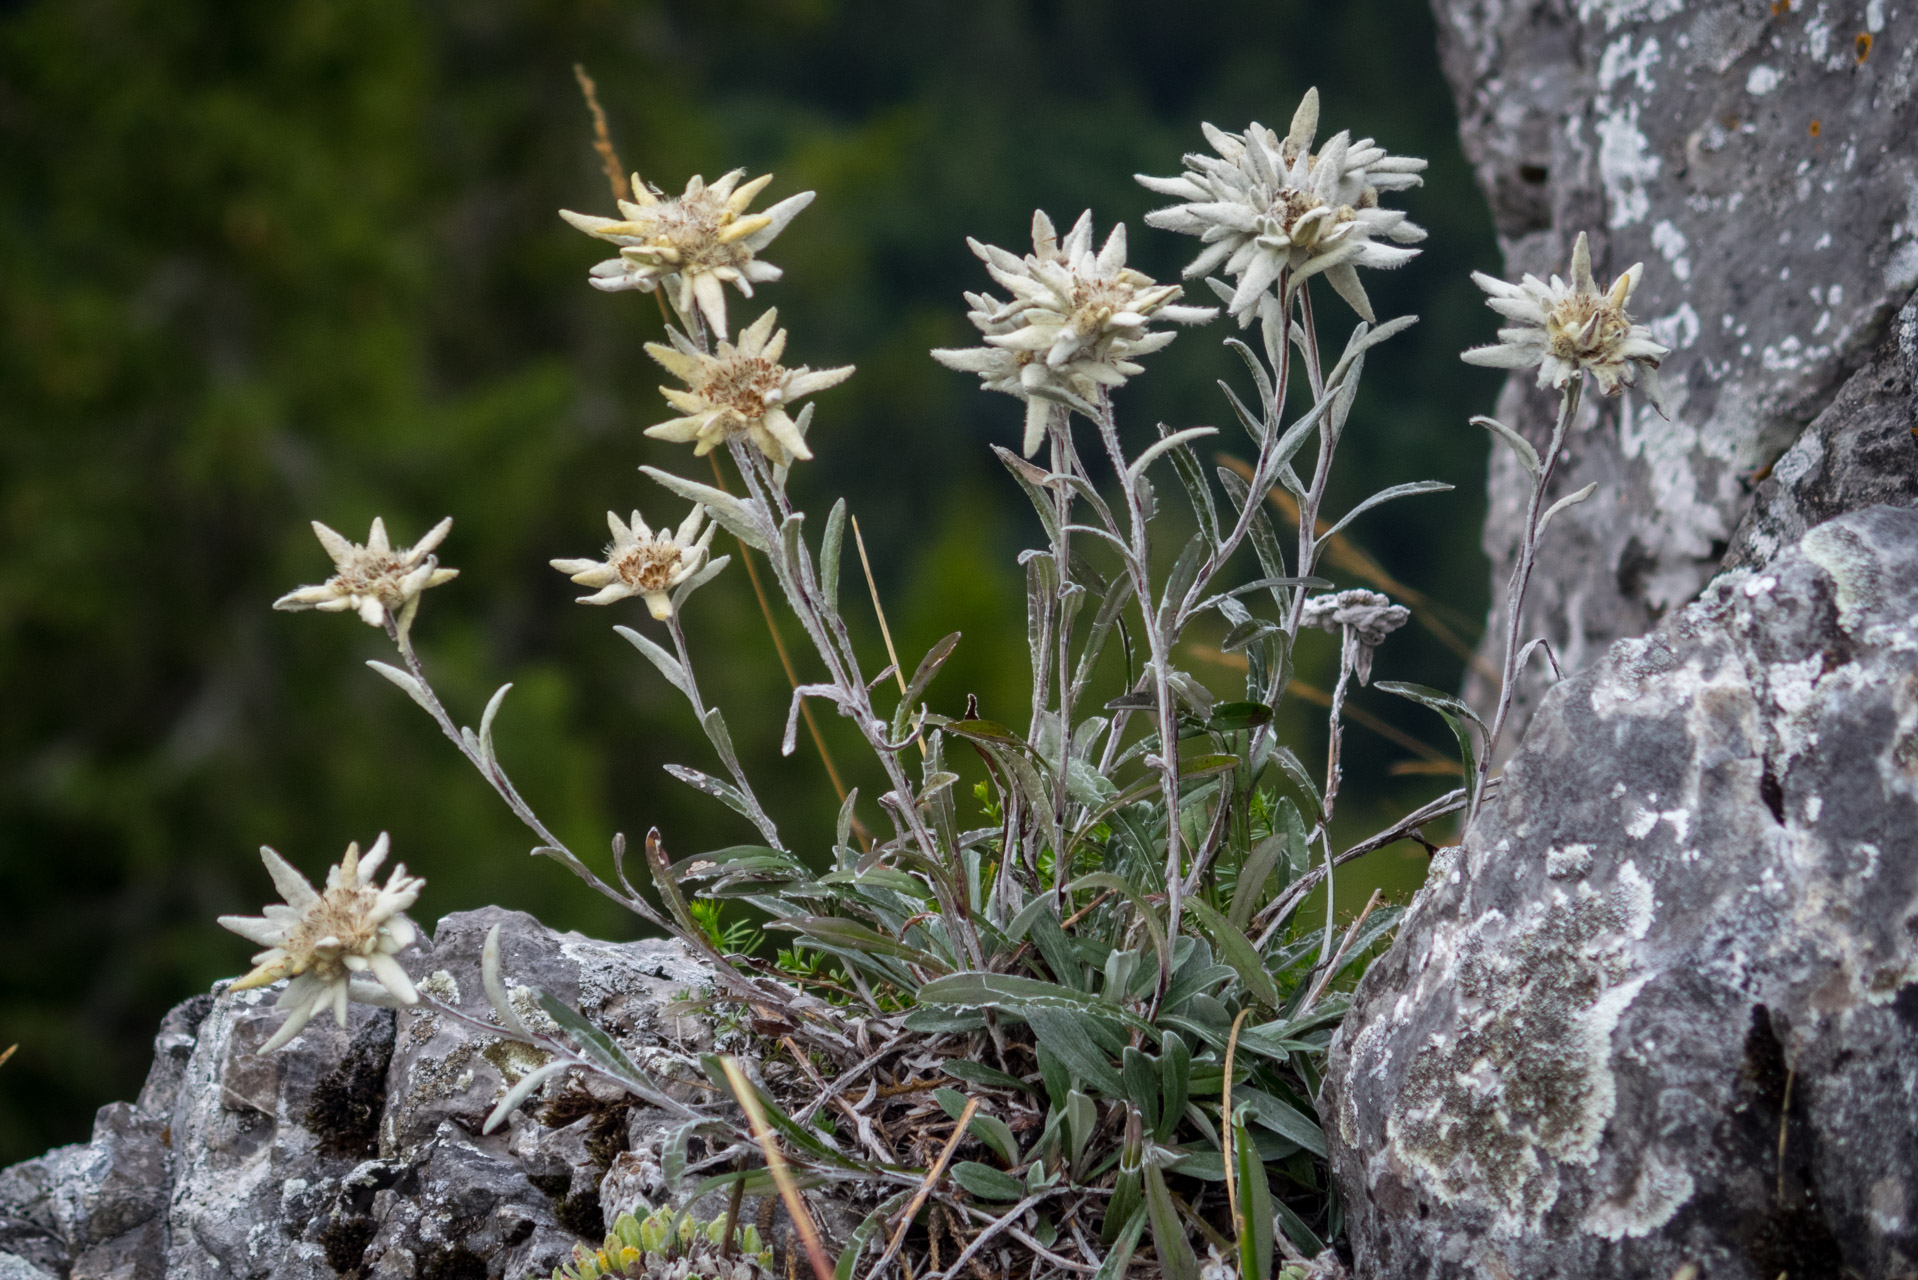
{"x": 374, "y": 581}
{"x": 1096, "y": 958}
{"x": 642, "y": 563}
{"x": 1269, "y": 207}
{"x": 693, "y": 246}
{"x": 320, "y": 940}
{"x": 1075, "y": 326}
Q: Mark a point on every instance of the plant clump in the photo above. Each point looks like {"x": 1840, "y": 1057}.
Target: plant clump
{"x": 664, "y": 1245}
{"x": 1050, "y": 1001}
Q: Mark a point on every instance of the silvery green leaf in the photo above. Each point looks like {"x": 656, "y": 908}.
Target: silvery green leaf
{"x": 1527, "y": 455}
{"x": 741, "y": 519}
{"x": 486, "y": 722}
{"x": 496, "y": 987}
{"x": 668, "y": 665}
{"x": 787, "y": 743}
{"x": 830, "y": 543}
{"x": 722, "y": 791}
{"x": 1569, "y": 500}
{"x": 521, "y": 1091}
{"x": 1168, "y": 443}
{"x": 1381, "y": 497}
{"x": 414, "y": 689}
{"x": 842, "y": 831}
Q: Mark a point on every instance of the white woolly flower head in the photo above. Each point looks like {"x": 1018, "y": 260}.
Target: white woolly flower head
{"x": 642, "y": 563}
{"x": 1268, "y": 207}
{"x": 694, "y": 245}
{"x": 1077, "y": 322}
{"x": 740, "y": 389}
{"x": 373, "y": 580}
{"x": 1563, "y": 327}
{"x": 322, "y": 939}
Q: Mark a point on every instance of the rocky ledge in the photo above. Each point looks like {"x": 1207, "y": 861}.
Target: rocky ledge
{"x": 358, "y": 1151}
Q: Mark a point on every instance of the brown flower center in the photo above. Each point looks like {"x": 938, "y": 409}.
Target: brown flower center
{"x": 649, "y": 566}
{"x": 742, "y": 385}
{"x": 691, "y": 228}
{"x": 340, "y": 919}
{"x": 1585, "y": 329}
{"x": 373, "y": 573}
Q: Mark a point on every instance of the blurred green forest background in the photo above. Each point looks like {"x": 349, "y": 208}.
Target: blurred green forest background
{"x": 266, "y": 263}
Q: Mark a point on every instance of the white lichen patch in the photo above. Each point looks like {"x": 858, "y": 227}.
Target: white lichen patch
{"x": 1852, "y": 566}
{"x": 1568, "y": 863}
{"x": 442, "y": 986}
{"x": 1626, "y": 162}
{"x": 1524, "y": 1082}
{"x": 1646, "y": 1203}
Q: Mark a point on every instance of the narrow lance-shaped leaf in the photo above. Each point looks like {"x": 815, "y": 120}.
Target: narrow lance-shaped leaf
{"x": 829, "y": 548}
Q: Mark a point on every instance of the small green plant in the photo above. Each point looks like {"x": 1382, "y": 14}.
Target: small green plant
{"x": 664, "y": 1245}
{"x": 1101, "y": 986}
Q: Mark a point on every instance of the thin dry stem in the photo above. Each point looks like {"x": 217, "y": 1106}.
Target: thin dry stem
{"x": 777, "y": 1167}
{"x": 603, "y": 137}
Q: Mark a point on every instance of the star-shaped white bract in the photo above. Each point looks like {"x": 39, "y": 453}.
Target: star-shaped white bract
{"x": 642, "y": 563}
{"x": 321, "y": 940}
{"x": 741, "y": 389}
{"x": 1077, "y": 322}
{"x": 373, "y": 580}
{"x": 694, "y": 245}
{"x": 1267, "y": 206}
{"x": 1564, "y": 327}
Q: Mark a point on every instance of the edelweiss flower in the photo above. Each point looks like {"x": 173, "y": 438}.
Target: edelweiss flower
{"x": 1363, "y": 619}
{"x": 1076, "y": 321}
{"x": 373, "y": 580}
{"x": 641, "y": 563}
{"x": 744, "y": 388}
{"x": 1563, "y": 328}
{"x": 695, "y": 245}
{"x": 321, "y": 939}
{"x": 1267, "y": 205}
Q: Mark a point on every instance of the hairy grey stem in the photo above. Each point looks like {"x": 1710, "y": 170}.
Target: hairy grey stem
{"x": 1521, "y": 579}
{"x": 760, "y": 819}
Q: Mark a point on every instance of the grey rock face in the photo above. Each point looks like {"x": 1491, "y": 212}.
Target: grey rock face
{"x": 1759, "y": 159}
{"x": 355, "y": 1151}
{"x": 1685, "y": 932}
{"x": 1860, "y": 451}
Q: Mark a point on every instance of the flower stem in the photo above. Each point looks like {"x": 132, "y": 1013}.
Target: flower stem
{"x": 1521, "y": 579}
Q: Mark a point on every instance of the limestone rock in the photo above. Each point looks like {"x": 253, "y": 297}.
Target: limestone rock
{"x": 1759, "y": 159}
{"x": 1685, "y": 931}
{"x": 1860, "y": 451}
{"x": 352, "y": 1151}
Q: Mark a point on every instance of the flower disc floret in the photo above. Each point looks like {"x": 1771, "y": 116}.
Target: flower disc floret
{"x": 1076, "y": 322}
{"x": 739, "y": 390}
{"x": 1567, "y": 327}
{"x": 1268, "y": 207}
{"x": 694, "y": 245}
{"x": 322, "y": 939}
{"x": 373, "y": 580}
{"x": 641, "y": 563}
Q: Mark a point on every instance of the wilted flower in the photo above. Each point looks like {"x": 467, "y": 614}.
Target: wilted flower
{"x": 1076, "y": 322}
{"x": 373, "y": 580}
{"x": 642, "y": 563}
{"x": 1267, "y": 205}
{"x": 695, "y": 245}
{"x": 1563, "y": 328}
{"x": 743, "y": 388}
{"x": 321, "y": 939}
{"x": 1363, "y": 619}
